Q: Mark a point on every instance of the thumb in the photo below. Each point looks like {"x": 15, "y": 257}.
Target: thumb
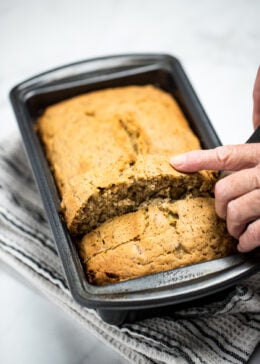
{"x": 228, "y": 157}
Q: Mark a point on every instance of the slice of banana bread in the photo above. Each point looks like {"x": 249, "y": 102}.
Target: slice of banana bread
{"x": 91, "y": 199}
{"x": 161, "y": 235}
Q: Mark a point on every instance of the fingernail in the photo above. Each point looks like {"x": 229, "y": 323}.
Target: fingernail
{"x": 178, "y": 160}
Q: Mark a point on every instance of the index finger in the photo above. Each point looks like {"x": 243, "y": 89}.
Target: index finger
{"x": 228, "y": 157}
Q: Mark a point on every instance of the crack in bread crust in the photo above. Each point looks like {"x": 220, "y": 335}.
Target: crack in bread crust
{"x": 139, "y": 183}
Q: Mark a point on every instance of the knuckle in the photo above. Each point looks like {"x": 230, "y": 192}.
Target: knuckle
{"x": 221, "y": 198}
{"x": 223, "y": 155}
{"x": 219, "y": 190}
{"x": 253, "y": 232}
{"x": 220, "y": 210}
{"x": 250, "y": 239}
{"x": 256, "y": 176}
{"x": 233, "y": 219}
{"x": 233, "y": 212}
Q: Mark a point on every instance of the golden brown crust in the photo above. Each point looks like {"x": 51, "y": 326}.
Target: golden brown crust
{"x": 109, "y": 153}
{"x": 161, "y": 235}
{"x": 105, "y": 143}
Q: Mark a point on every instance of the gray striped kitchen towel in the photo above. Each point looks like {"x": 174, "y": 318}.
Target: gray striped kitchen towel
{"x": 225, "y": 331}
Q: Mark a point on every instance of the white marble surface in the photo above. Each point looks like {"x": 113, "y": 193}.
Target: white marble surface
{"x": 218, "y": 44}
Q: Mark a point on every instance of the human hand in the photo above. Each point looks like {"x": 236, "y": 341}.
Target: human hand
{"x": 237, "y": 196}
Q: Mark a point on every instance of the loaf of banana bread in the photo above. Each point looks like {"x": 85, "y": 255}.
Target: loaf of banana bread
{"x": 130, "y": 211}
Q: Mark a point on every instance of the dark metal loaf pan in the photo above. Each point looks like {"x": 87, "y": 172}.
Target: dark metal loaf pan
{"x": 120, "y": 301}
